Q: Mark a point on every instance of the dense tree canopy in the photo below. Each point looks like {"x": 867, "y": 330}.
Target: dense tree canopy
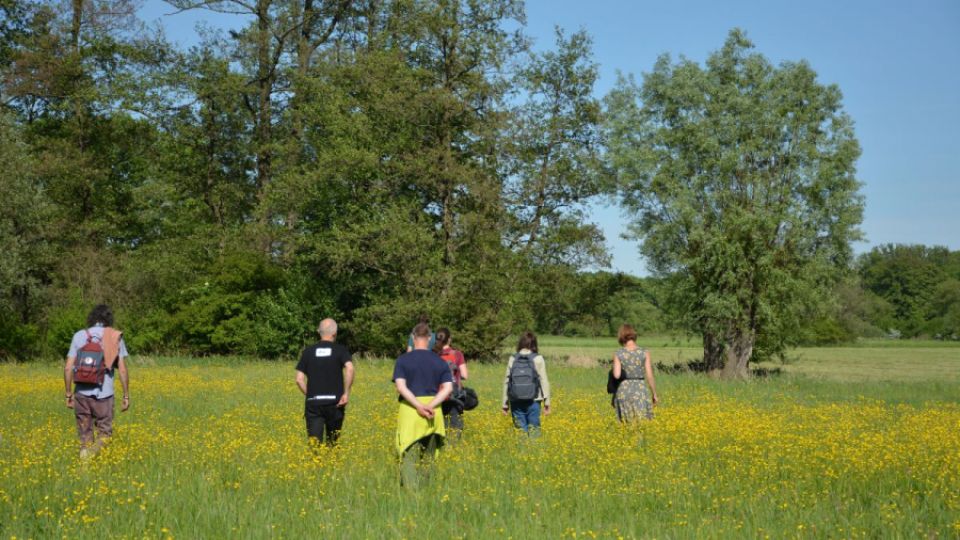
{"x": 363, "y": 160}
{"x": 372, "y": 161}
{"x": 741, "y": 178}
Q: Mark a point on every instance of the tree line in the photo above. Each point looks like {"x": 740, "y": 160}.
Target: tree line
{"x": 372, "y": 160}
{"x": 893, "y": 291}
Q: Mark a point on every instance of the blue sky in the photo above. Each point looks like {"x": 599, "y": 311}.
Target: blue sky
{"x": 897, "y": 64}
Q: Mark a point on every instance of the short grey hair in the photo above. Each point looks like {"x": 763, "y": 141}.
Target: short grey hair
{"x": 328, "y": 327}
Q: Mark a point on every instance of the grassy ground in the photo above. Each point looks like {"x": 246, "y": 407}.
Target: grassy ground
{"x": 214, "y": 449}
{"x": 862, "y": 361}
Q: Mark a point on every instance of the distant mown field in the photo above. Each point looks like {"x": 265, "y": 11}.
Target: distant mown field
{"x": 850, "y": 442}
{"x": 863, "y": 360}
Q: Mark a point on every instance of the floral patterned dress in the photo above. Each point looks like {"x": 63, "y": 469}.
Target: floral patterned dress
{"x": 632, "y": 400}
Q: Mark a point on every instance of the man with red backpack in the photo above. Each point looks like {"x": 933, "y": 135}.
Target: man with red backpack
{"x": 96, "y": 355}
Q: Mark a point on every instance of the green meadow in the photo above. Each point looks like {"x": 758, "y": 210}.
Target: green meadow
{"x": 848, "y": 442}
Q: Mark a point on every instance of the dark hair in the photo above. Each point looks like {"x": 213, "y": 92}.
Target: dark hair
{"x": 424, "y": 318}
{"x": 421, "y": 330}
{"x": 626, "y": 333}
{"x": 528, "y": 340}
{"x": 442, "y": 338}
{"x": 102, "y": 314}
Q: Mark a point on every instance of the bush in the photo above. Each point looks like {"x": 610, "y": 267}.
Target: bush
{"x": 826, "y": 331}
{"x": 64, "y": 321}
{"x": 18, "y": 341}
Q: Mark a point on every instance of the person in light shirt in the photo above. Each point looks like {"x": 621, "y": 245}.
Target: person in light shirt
{"x": 92, "y": 403}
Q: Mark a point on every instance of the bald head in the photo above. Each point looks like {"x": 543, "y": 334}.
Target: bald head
{"x": 327, "y": 329}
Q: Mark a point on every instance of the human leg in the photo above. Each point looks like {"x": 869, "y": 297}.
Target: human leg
{"x": 84, "y": 414}
{"x": 316, "y": 424}
{"x": 102, "y": 410}
{"x": 518, "y": 409}
{"x": 533, "y": 419}
{"x": 452, "y": 419}
{"x": 408, "y": 467}
{"x": 456, "y": 420}
{"x": 333, "y": 422}
{"x": 416, "y": 463}
{"x": 103, "y": 416}
{"x": 429, "y": 446}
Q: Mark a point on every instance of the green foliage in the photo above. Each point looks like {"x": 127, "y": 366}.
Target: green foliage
{"x": 17, "y": 340}
{"x": 244, "y": 306}
{"x": 28, "y": 250}
{"x": 741, "y": 178}
{"x": 390, "y": 159}
{"x": 919, "y": 283}
{"x": 552, "y": 156}
{"x": 595, "y": 304}
{"x": 64, "y": 320}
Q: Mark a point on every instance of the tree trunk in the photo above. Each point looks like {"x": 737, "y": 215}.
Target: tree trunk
{"x": 75, "y": 25}
{"x": 265, "y": 78}
{"x": 712, "y": 353}
{"x": 739, "y": 349}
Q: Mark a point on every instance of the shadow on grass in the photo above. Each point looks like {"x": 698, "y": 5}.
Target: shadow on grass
{"x": 698, "y": 366}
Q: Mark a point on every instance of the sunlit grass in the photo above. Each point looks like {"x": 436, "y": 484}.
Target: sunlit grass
{"x": 211, "y": 451}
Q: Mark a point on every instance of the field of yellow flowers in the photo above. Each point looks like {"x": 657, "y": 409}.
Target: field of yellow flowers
{"x": 219, "y": 451}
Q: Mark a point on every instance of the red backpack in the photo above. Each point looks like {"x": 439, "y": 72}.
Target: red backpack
{"x": 90, "y": 366}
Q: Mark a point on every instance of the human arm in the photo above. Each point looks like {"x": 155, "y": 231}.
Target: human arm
{"x": 407, "y": 395}
{"x": 541, "y": 365}
{"x": 442, "y": 394}
{"x": 648, "y": 367}
{"x": 302, "y": 382}
{"x": 124, "y": 382}
{"x": 347, "y": 384}
{"x": 68, "y": 380}
{"x": 617, "y": 369}
{"x": 506, "y": 381}
{"x": 463, "y": 367}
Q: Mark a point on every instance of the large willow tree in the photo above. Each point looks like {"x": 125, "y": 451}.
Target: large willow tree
{"x": 741, "y": 179}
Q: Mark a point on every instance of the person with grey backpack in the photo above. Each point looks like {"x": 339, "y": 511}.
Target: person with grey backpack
{"x": 526, "y": 386}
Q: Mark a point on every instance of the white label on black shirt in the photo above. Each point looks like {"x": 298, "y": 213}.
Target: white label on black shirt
{"x": 323, "y": 351}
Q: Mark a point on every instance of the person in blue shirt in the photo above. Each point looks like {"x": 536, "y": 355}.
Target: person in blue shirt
{"x": 423, "y": 382}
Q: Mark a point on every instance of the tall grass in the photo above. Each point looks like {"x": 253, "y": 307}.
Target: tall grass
{"x": 211, "y": 451}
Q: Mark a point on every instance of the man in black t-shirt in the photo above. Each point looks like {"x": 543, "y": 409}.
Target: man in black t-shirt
{"x": 325, "y": 376}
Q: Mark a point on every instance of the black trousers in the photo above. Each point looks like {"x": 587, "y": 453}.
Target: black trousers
{"x": 323, "y": 420}
{"x": 452, "y": 416}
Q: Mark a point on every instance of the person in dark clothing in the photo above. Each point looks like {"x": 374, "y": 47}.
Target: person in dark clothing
{"x": 325, "y": 376}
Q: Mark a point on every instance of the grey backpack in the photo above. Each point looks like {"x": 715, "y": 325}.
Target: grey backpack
{"x": 523, "y": 383}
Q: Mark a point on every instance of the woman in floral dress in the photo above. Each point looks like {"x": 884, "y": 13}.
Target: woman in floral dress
{"x": 631, "y": 365}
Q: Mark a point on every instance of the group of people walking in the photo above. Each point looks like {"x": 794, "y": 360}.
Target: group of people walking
{"x": 427, "y": 376}
{"x": 428, "y": 379}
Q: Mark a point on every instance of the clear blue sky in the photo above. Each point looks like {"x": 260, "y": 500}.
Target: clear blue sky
{"x": 897, "y": 64}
